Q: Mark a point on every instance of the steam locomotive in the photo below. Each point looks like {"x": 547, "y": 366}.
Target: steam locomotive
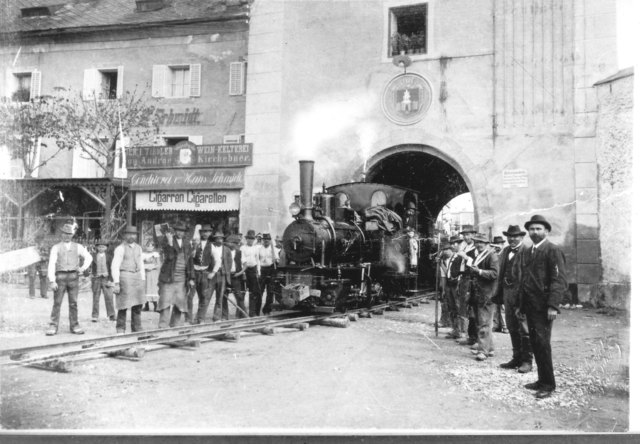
{"x": 347, "y": 247}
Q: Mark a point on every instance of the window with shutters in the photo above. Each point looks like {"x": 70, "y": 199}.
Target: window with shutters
{"x": 23, "y": 87}
{"x": 408, "y": 29}
{"x": 109, "y": 83}
{"x": 175, "y": 81}
{"x": 236, "y": 78}
{"x": 104, "y": 83}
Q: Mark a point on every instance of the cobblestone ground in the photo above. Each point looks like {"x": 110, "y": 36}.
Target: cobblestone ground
{"x": 387, "y": 373}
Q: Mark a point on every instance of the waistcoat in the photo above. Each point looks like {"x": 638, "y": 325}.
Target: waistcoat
{"x": 67, "y": 260}
{"x": 131, "y": 258}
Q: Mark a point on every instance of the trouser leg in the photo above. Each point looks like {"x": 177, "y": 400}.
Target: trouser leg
{"x": 255, "y": 298}
{"x": 484, "y": 320}
{"x": 73, "y": 286}
{"x": 121, "y": 321}
{"x": 31, "y": 274}
{"x": 136, "y": 318}
{"x": 44, "y": 284}
{"x": 107, "y": 291}
{"x": 463, "y": 307}
{"x": 96, "y": 287}
{"x": 514, "y": 328}
{"x": 238, "y": 294}
{"x": 201, "y": 289}
{"x": 453, "y": 306}
{"x": 165, "y": 315}
{"x": 540, "y": 336}
{"x": 265, "y": 280}
{"x": 204, "y": 299}
{"x": 58, "y": 296}
{"x": 176, "y": 317}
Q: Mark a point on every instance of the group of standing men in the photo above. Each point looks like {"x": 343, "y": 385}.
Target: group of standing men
{"x": 529, "y": 281}
{"x": 213, "y": 266}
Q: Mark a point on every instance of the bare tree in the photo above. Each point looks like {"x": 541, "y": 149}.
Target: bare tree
{"x": 26, "y": 126}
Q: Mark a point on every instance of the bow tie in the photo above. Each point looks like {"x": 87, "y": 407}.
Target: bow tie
{"x": 513, "y": 250}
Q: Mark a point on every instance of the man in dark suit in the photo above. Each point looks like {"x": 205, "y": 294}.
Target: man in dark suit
{"x": 202, "y": 265}
{"x": 467, "y": 253}
{"x": 543, "y": 282}
{"x": 484, "y": 280}
{"x": 507, "y": 294}
{"x": 457, "y": 307}
{"x": 237, "y": 275}
{"x": 220, "y": 277}
{"x": 101, "y": 281}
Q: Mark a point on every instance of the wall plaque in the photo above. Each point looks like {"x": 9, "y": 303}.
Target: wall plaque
{"x": 406, "y": 99}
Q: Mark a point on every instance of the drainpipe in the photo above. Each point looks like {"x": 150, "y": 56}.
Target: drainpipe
{"x": 494, "y": 117}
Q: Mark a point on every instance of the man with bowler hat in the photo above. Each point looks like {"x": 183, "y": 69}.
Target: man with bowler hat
{"x": 176, "y": 276}
{"x": 202, "y": 265}
{"x": 64, "y": 274}
{"x": 507, "y": 294}
{"x": 457, "y": 307}
{"x": 127, "y": 270}
{"x": 467, "y": 253}
{"x": 268, "y": 263}
{"x": 484, "y": 281}
{"x": 251, "y": 269}
{"x": 219, "y": 277}
{"x": 237, "y": 275}
{"x": 101, "y": 281}
{"x": 542, "y": 285}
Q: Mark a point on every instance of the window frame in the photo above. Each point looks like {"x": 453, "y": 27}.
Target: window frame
{"x": 186, "y": 83}
{"x": 431, "y": 47}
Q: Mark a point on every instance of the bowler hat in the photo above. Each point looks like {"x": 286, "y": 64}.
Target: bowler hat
{"x": 104, "y": 242}
{"x": 266, "y": 236}
{"x": 67, "y": 229}
{"x": 180, "y": 226}
{"x": 251, "y": 234}
{"x": 468, "y": 229}
{"x": 131, "y": 229}
{"x": 498, "y": 240}
{"x": 445, "y": 246}
{"x": 218, "y": 234}
{"x": 514, "y": 230}
{"x": 455, "y": 239}
{"x": 480, "y": 237}
{"x": 206, "y": 227}
{"x": 537, "y": 219}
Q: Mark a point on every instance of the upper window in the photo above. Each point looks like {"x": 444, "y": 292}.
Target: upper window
{"x": 24, "y": 86}
{"x": 103, "y": 83}
{"x": 408, "y": 29}
{"x": 176, "y": 81}
{"x": 109, "y": 83}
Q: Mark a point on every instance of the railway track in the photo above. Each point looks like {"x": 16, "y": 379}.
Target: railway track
{"x": 62, "y": 356}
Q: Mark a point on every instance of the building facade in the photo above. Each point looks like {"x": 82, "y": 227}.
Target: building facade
{"x": 492, "y": 97}
{"x": 188, "y": 60}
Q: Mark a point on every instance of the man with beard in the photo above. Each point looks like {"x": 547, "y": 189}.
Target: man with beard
{"x": 127, "y": 270}
{"x": 542, "y": 285}
{"x": 507, "y": 294}
{"x": 202, "y": 265}
{"x": 467, "y": 253}
{"x": 176, "y": 274}
{"x": 484, "y": 275}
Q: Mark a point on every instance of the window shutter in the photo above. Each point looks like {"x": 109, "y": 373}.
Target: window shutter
{"x": 11, "y": 83}
{"x": 158, "y": 81}
{"x": 236, "y": 78}
{"x": 35, "y": 83}
{"x": 194, "y": 72}
{"x": 120, "y": 85}
{"x": 91, "y": 84}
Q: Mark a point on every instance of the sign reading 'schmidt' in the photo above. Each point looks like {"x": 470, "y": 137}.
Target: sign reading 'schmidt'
{"x": 188, "y": 155}
{"x": 406, "y": 99}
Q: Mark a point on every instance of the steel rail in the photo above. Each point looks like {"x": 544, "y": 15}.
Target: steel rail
{"x": 179, "y": 334}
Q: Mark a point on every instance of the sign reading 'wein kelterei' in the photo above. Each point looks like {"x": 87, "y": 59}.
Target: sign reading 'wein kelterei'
{"x": 188, "y": 155}
{"x": 195, "y": 179}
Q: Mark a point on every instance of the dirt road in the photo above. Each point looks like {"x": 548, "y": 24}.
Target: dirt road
{"x": 388, "y": 373}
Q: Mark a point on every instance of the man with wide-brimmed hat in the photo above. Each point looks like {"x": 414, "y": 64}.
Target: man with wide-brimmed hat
{"x": 219, "y": 277}
{"x": 64, "y": 276}
{"x": 101, "y": 280}
{"x": 507, "y": 294}
{"x": 268, "y": 263}
{"x": 237, "y": 275}
{"x": 251, "y": 269}
{"x": 202, "y": 266}
{"x": 445, "y": 258}
{"x": 457, "y": 306}
{"x": 499, "y": 319}
{"x": 176, "y": 277}
{"x": 127, "y": 270}
{"x": 542, "y": 286}
{"x": 467, "y": 253}
{"x": 484, "y": 281}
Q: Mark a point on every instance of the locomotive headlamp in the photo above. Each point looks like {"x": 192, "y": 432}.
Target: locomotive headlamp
{"x": 294, "y": 209}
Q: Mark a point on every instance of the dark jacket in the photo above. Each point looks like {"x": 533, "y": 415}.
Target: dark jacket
{"x": 170, "y": 253}
{"x": 206, "y": 255}
{"x": 225, "y": 267}
{"x": 508, "y": 273}
{"x": 94, "y": 264}
{"x": 455, "y": 267}
{"x": 472, "y": 254}
{"x": 237, "y": 260}
{"x": 543, "y": 281}
{"x": 486, "y": 280}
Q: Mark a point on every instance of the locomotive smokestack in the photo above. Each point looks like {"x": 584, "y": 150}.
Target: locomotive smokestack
{"x": 306, "y": 188}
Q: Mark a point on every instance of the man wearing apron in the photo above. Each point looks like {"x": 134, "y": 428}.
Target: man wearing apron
{"x": 127, "y": 270}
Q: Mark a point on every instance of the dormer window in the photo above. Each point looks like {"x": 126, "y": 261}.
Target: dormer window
{"x": 36, "y": 11}
{"x": 149, "y": 5}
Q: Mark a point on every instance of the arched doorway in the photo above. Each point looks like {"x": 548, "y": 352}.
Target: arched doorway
{"x": 437, "y": 179}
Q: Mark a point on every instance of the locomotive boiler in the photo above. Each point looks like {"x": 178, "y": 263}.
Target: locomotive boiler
{"x": 347, "y": 246}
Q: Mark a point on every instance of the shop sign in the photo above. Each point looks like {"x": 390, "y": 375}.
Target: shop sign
{"x": 195, "y": 179}
{"x": 189, "y": 155}
{"x": 516, "y": 178}
{"x": 191, "y": 200}
{"x": 190, "y": 116}
{"x": 406, "y": 99}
